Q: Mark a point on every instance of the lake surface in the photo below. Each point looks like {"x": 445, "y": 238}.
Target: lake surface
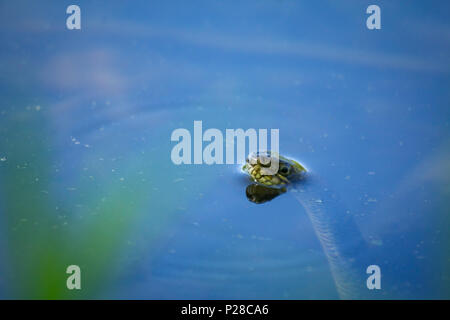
{"x": 86, "y": 176}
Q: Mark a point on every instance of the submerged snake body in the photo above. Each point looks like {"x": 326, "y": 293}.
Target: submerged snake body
{"x": 336, "y": 230}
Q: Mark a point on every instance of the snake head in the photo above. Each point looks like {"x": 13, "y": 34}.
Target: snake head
{"x": 259, "y": 166}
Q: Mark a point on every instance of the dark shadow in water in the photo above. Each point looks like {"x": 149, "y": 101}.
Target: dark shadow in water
{"x": 257, "y": 193}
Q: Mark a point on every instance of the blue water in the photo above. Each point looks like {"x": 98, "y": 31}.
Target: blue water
{"x": 367, "y": 111}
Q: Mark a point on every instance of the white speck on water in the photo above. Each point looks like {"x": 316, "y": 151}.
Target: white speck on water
{"x": 74, "y": 140}
{"x": 37, "y": 108}
{"x": 319, "y": 201}
{"x": 178, "y": 180}
{"x": 3, "y": 159}
{"x": 122, "y": 179}
{"x": 259, "y": 238}
{"x": 371, "y": 173}
{"x": 347, "y": 177}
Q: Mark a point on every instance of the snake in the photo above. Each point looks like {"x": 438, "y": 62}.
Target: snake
{"x": 339, "y": 236}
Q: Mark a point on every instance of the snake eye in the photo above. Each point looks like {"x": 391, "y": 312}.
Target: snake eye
{"x": 284, "y": 170}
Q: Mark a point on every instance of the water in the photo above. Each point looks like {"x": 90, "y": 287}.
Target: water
{"x": 86, "y": 118}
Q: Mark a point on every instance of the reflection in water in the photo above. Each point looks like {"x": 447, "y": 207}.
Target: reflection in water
{"x": 259, "y": 194}
{"x": 337, "y": 232}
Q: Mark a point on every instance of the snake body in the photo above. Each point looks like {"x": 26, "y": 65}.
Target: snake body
{"x": 338, "y": 234}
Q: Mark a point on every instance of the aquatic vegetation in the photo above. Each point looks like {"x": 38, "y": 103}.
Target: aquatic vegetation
{"x": 49, "y": 222}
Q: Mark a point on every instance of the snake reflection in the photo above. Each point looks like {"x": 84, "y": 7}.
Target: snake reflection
{"x": 338, "y": 234}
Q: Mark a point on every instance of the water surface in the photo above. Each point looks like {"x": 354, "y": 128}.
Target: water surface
{"x": 86, "y": 118}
